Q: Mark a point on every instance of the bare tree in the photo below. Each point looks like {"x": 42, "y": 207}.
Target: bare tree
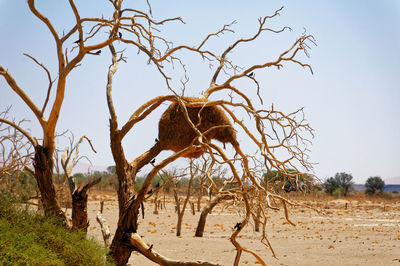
{"x": 203, "y": 174}
{"x": 206, "y": 210}
{"x": 78, "y": 194}
{"x": 189, "y": 125}
{"x": 181, "y": 211}
{"x": 44, "y": 149}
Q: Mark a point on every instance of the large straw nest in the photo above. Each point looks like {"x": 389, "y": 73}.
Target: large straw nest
{"x": 175, "y": 133}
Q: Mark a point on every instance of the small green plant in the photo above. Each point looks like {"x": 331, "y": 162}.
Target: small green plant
{"x": 28, "y": 238}
{"x": 374, "y": 185}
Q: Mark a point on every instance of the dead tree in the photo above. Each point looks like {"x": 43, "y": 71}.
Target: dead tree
{"x": 203, "y": 121}
{"x": 79, "y": 195}
{"x": 190, "y": 124}
{"x": 126, "y": 238}
{"x": 15, "y": 152}
{"x": 44, "y": 145}
{"x": 201, "y": 167}
{"x": 181, "y": 211}
{"x": 206, "y": 210}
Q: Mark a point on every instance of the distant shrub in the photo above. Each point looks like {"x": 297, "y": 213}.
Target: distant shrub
{"x": 28, "y": 238}
{"x": 293, "y": 181}
{"x": 330, "y": 185}
{"x": 342, "y": 181}
{"x": 374, "y": 185}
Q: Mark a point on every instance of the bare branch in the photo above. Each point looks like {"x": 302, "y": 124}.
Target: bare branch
{"x": 136, "y": 241}
{"x": 50, "y": 82}
{"x": 14, "y": 86}
{"x": 105, "y": 230}
{"x": 25, "y": 133}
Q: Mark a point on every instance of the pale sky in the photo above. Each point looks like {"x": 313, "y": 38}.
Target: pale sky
{"x": 352, "y": 101}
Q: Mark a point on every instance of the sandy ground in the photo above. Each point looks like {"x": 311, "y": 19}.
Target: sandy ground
{"x": 366, "y": 233}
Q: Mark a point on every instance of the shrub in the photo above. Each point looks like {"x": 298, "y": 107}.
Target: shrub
{"x": 330, "y": 185}
{"x": 374, "y": 185}
{"x": 341, "y": 181}
{"x": 28, "y": 238}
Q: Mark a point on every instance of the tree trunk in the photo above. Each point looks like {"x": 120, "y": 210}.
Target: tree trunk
{"x": 192, "y": 207}
{"x": 79, "y": 206}
{"x": 178, "y": 209}
{"x": 182, "y": 212}
{"x": 43, "y": 164}
{"x": 206, "y": 210}
{"x": 79, "y": 211}
{"x": 200, "y": 196}
{"x": 256, "y": 218}
{"x": 121, "y": 249}
{"x": 156, "y": 203}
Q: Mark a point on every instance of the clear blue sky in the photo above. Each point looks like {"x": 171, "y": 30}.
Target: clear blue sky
{"x": 352, "y": 100}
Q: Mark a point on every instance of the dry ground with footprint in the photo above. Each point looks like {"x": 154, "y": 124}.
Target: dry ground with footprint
{"x": 366, "y": 233}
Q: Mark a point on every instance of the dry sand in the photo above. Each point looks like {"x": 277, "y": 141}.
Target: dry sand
{"x": 366, "y": 233}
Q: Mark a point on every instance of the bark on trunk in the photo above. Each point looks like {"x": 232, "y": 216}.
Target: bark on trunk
{"x": 79, "y": 211}
{"x": 121, "y": 249}
{"x": 182, "y": 212}
{"x": 200, "y": 196}
{"x": 43, "y": 164}
{"x": 156, "y": 203}
{"x": 256, "y": 219}
{"x": 205, "y": 211}
{"x": 79, "y": 206}
{"x": 178, "y": 209}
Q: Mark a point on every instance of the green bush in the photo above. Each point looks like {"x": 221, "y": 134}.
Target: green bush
{"x": 374, "y": 185}
{"x": 342, "y": 181}
{"x": 28, "y": 238}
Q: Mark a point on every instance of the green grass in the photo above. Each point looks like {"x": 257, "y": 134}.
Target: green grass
{"x": 27, "y": 238}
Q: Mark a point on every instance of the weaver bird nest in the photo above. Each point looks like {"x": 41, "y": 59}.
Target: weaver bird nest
{"x": 175, "y": 132}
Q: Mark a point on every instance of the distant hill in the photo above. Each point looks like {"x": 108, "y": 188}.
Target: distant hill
{"x": 392, "y": 180}
{"x": 85, "y": 167}
{"x": 388, "y": 187}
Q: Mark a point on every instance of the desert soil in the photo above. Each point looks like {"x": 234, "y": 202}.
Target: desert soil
{"x": 366, "y": 233}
